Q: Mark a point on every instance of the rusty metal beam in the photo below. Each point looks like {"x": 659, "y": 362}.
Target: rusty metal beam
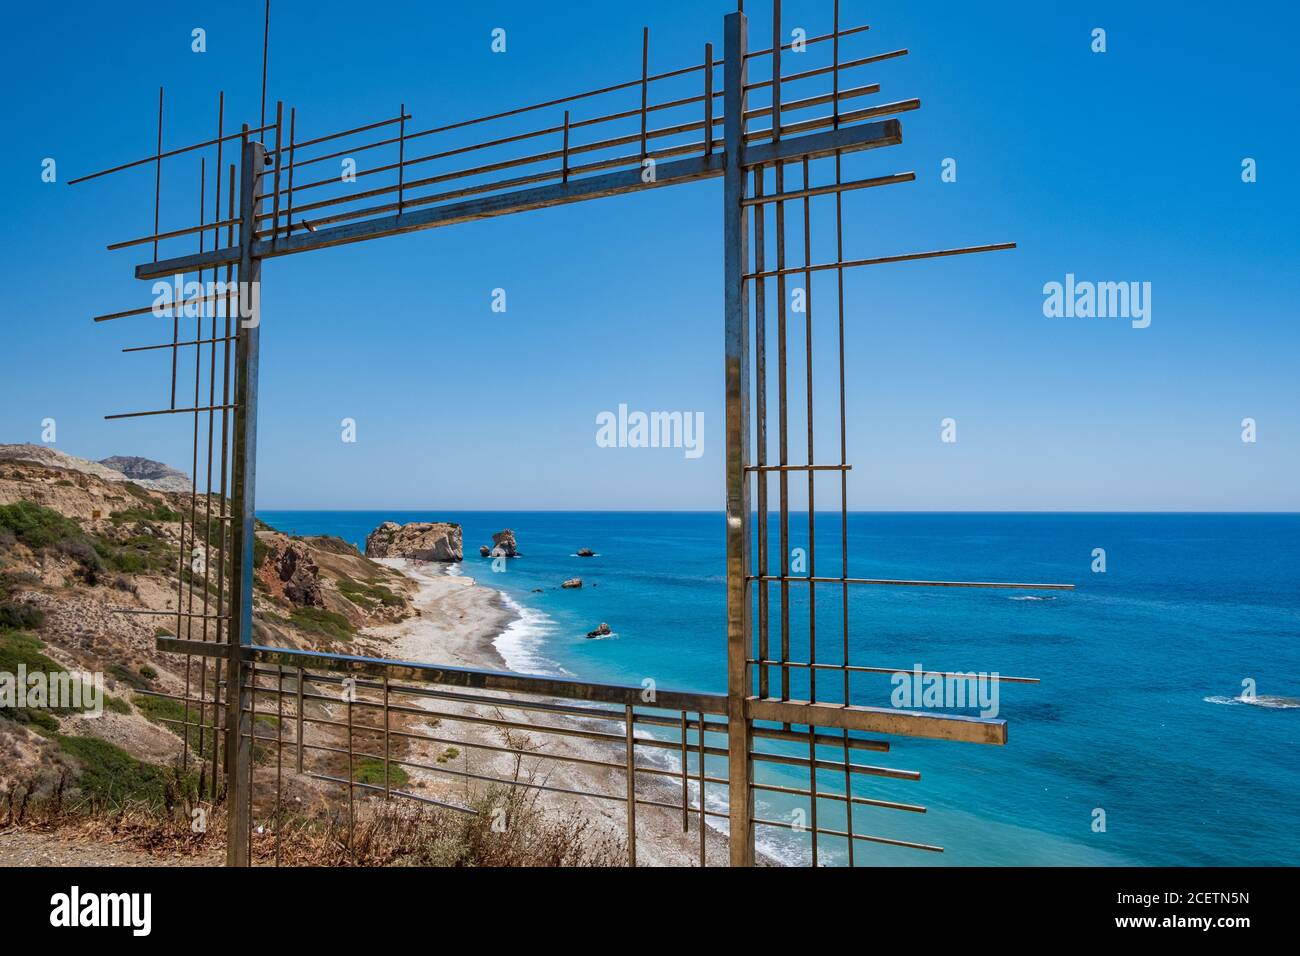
{"x": 845, "y": 140}
{"x": 239, "y": 752}
{"x": 880, "y": 720}
{"x": 625, "y": 695}
{"x": 735, "y": 230}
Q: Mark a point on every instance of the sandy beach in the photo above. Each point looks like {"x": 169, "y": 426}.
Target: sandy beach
{"x": 458, "y": 624}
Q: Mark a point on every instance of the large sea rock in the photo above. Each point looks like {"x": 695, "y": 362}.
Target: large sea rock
{"x": 420, "y": 541}
{"x": 504, "y": 545}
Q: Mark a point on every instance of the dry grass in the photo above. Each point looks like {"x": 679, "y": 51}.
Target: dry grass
{"x": 509, "y": 829}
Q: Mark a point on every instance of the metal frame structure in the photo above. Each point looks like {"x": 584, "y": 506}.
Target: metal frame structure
{"x": 774, "y": 711}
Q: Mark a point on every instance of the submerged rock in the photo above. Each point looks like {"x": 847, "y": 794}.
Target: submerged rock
{"x": 602, "y": 631}
{"x": 572, "y": 583}
{"x": 420, "y": 541}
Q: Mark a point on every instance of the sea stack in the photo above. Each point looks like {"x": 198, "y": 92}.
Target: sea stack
{"x": 503, "y": 545}
{"x": 419, "y": 541}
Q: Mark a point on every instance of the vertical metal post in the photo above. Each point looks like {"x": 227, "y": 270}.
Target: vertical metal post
{"x": 629, "y": 719}
{"x": 708, "y": 99}
{"x": 645, "y": 89}
{"x": 565, "y": 166}
{"x": 299, "y": 713}
{"x": 239, "y": 753}
{"x": 736, "y": 300}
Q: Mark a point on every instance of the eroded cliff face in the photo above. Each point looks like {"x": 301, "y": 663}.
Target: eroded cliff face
{"x": 288, "y": 570}
{"x": 90, "y": 576}
{"x": 419, "y": 541}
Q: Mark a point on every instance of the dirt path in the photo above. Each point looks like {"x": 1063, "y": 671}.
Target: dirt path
{"x": 23, "y": 848}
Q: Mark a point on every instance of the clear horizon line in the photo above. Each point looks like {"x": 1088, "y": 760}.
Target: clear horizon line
{"x": 827, "y": 511}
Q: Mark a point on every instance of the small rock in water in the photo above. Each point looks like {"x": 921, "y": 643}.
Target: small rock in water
{"x": 537, "y": 590}
{"x": 484, "y": 550}
{"x": 586, "y": 553}
{"x": 572, "y": 583}
{"x": 602, "y": 631}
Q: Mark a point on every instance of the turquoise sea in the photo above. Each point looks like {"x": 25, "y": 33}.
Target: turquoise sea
{"x": 1140, "y": 713}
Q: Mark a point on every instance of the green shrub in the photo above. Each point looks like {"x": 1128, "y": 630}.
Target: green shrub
{"x": 21, "y": 617}
{"x": 41, "y": 528}
{"x": 128, "y": 677}
{"x": 37, "y": 526}
{"x": 110, "y": 775}
{"x": 317, "y": 620}
{"x": 138, "y": 554}
{"x": 170, "y": 713}
{"x": 332, "y": 544}
{"x": 18, "y": 649}
{"x": 368, "y": 596}
{"x": 371, "y": 770}
{"x": 157, "y": 511}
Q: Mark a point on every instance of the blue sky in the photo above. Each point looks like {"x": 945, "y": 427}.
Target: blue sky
{"x": 1123, "y": 166}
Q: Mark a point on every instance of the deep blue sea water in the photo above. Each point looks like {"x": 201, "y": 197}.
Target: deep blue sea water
{"x": 1142, "y": 667}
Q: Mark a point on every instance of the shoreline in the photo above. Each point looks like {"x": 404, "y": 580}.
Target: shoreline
{"x": 459, "y": 620}
{"x": 461, "y": 623}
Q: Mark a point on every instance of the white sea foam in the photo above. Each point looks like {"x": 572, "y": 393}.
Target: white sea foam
{"x": 1030, "y": 597}
{"x": 1260, "y": 700}
{"x": 520, "y": 644}
{"x": 783, "y": 846}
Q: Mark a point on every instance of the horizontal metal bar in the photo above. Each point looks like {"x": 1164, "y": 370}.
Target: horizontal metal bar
{"x": 181, "y": 345}
{"x": 846, "y": 32}
{"x": 173, "y": 234}
{"x": 883, "y": 260}
{"x": 889, "y": 582}
{"x": 879, "y": 720}
{"x": 827, "y": 143}
{"x": 859, "y": 669}
{"x": 339, "y": 135}
{"x": 856, "y": 836}
{"x": 489, "y": 680}
{"x": 823, "y": 70}
{"x": 844, "y": 140}
{"x": 762, "y": 469}
{"x": 759, "y": 756}
{"x": 839, "y": 797}
{"x": 392, "y": 791}
{"x": 831, "y": 189}
{"x": 146, "y": 612}
{"x": 576, "y": 148}
{"x": 826, "y": 740}
{"x": 171, "y": 152}
{"x": 170, "y": 311}
{"x": 179, "y": 645}
{"x": 169, "y": 411}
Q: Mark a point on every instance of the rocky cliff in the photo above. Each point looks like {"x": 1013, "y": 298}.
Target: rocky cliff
{"x": 146, "y": 473}
{"x": 159, "y": 476}
{"x": 90, "y": 576}
{"x": 434, "y": 541}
